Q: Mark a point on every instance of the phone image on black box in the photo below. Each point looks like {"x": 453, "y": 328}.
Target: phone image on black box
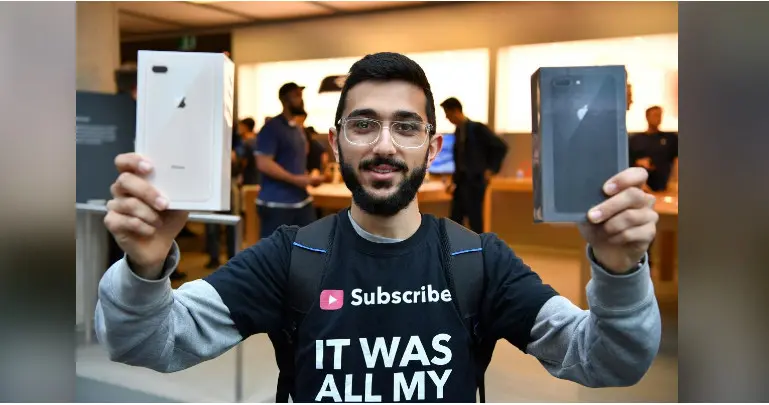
{"x": 585, "y": 139}
{"x": 177, "y": 126}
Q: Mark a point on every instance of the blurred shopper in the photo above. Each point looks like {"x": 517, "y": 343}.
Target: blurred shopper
{"x": 656, "y": 151}
{"x": 281, "y": 150}
{"x": 317, "y": 156}
{"x": 247, "y": 150}
{"x": 381, "y": 279}
{"x": 478, "y": 154}
{"x": 214, "y": 231}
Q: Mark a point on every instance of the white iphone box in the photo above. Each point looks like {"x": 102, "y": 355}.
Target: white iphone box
{"x": 184, "y": 126}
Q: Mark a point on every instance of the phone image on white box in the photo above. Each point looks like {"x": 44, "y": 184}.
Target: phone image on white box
{"x": 173, "y": 116}
{"x": 183, "y": 128}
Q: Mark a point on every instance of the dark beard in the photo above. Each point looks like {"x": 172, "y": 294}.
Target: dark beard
{"x": 388, "y": 206}
{"x": 297, "y": 110}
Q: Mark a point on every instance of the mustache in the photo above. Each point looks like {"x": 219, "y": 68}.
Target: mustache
{"x": 381, "y": 160}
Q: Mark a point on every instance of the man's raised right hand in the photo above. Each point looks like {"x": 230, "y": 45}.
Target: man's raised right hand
{"x": 138, "y": 218}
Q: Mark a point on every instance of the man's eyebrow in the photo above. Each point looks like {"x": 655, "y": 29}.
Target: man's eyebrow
{"x": 364, "y": 112}
{"x": 399, "y": 115}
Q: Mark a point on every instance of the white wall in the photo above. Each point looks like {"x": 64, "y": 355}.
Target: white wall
{"x": 651, "y": 62}
{"x": 455, "y": 26}
{"x": 258, "y": 85}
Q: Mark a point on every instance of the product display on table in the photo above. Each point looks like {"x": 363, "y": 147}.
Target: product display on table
{"x": 184, "y": 126}
{"x": 579, "y": 138}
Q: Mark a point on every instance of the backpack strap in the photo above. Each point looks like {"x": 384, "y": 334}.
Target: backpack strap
{"x": 465, "y": 264}
{"x": 465, "y": 273}
{"x": 310, "y": 254}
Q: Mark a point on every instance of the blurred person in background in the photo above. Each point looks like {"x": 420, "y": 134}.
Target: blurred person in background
{"x": 478, "y": 154}
{"x": 214, "y": 231}
{"x": 246, "y": 151}
{"x": 656, "y": 151}
{"x": 317, "y": 156}
{"x": 371, "y": 261}
{"x": 281, "y": 157}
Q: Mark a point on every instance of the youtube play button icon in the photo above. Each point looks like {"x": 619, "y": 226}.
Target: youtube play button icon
{"x": 331, "y": 300}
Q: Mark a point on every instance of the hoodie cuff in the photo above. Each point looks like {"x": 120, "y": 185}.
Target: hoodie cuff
{"x": 138, "y": 291}
{"x": 619, "y": 291}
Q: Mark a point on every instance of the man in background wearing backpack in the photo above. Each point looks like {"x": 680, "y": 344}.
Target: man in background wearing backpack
{"x": 381, "y": 303}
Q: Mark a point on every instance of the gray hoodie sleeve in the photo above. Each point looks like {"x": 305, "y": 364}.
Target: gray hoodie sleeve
{"x": 146, "y": 323}
{"x": 611, "y": 345}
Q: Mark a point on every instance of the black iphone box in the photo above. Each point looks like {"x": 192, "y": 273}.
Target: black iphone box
{"x": 579, "y": 138}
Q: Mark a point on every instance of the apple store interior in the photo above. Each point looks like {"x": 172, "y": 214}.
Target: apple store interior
{"x": 481, "y": 53}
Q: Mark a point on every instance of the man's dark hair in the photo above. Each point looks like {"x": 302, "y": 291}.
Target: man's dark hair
{"x": 652, "y": 108}
{"x": 249, "y": 123}
{"x": 451, "y": 103}
{"x": 383, "y": 67}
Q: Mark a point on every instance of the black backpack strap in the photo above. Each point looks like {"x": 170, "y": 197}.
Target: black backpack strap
{"x": 309, "y": 256}
{"x": 465, "y": 266}
{"x": 465, "y": 273}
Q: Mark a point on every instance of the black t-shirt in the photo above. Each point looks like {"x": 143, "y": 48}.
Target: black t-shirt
{"x": 315, "y": 155}
{"x": 385, "y": 328}
{"x": 250, "y": 171}
{"x": 662, "y": 149}
{"x": 236, "y": 167}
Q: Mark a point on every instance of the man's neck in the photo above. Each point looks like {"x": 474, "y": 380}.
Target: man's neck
{"x": 287, "y": 115}
{"x": 399, "y": 226}
{"x": 652, "y": 130}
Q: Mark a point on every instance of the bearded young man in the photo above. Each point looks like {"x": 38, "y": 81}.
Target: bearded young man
{"x": 384, "y": 137}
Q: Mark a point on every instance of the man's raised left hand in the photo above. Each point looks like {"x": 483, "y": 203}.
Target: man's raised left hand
{"x": 620, "y": 229}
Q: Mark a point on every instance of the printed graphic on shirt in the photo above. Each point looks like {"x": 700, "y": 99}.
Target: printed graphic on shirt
{"x": 417, "y": 368}
{"x": 391, "y": 341}
{"x": 426, "y": 294}
{"x": 331, "y": 300}
{"x": 382, "y": 355}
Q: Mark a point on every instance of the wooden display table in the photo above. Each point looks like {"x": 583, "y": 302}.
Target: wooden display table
{"x": 508, "y": 211}
{"x": 250, "y": 219}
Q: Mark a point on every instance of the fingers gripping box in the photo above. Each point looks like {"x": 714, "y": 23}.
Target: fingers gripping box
{"x": 579, "y": 138}
{"x": 184, "y": 126}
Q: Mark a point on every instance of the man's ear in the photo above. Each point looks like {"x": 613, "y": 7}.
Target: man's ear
{"x": 434, "y": 148}
{"x": 332, "y": 141}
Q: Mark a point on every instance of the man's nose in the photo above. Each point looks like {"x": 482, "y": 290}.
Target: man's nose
{"x": 384, "y": 145}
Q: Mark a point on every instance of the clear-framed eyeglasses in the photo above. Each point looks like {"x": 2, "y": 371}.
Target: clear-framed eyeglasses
{"x": 404, "y": 134}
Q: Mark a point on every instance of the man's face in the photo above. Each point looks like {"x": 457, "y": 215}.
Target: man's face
{"x": 654, "y": 117}
{"x": 294, "y": 102}
{"x": 242, "y": 129}
{"x": 384, "y": 178}
{"x": 453, "y": 115}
